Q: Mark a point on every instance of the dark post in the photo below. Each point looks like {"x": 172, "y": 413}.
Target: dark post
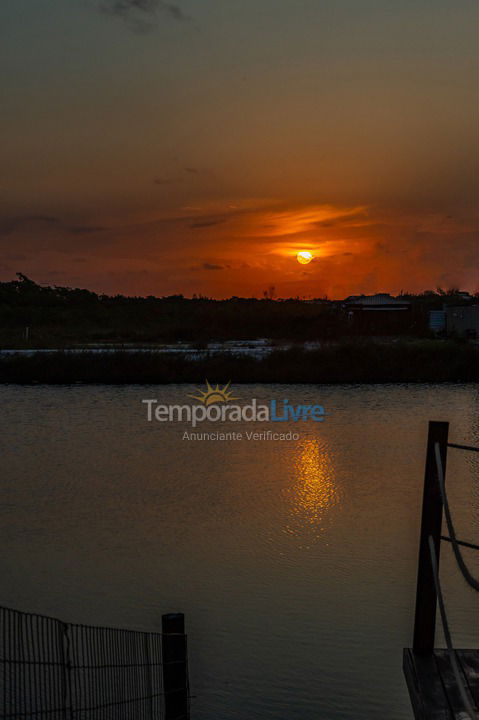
{"x": 175, "y": 667}
{"x": 426, "y": 600}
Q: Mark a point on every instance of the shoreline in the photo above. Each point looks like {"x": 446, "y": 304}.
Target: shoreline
{"x": 368, "y": 362}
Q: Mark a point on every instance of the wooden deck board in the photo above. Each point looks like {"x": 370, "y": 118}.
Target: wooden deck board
{"x": 432, "y": 684}
{"x": 449, "y": 681}
{"x": 428, "y": 697}
{"x": 469, "y": 660}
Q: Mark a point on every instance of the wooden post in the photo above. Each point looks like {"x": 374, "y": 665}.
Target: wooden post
{"x": 175, "y": 667}
{"x": 426, "y": 600}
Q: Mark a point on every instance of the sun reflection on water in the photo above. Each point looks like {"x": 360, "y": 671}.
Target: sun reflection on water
{"x": 314, "y": 491}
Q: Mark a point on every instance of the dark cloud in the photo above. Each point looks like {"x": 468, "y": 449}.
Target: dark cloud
{"x": 9, "y": 225}
{"x": 40, "y": 218}
{"x": 142, "y": 13}
{"x": 341, "y": 220}
{"x": 207, "y": 223}
{"x": 87, "y": 229}
{"x": 326, "y": 224}
{"x": 211, "y": 266}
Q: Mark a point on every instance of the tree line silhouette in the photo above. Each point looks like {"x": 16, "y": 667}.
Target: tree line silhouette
{"x": 53, "y": 316}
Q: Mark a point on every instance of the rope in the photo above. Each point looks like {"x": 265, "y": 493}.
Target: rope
{"x": 463, "y": 543}
{"x": 463, "y": 447}
{"x": 447, "y": 635}
{"x": 450, "y": 525}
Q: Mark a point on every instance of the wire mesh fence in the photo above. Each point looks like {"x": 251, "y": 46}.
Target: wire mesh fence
{"x": 51, "y": 670}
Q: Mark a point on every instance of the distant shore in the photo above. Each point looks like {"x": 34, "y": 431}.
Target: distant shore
{"x": 417, "y": 361}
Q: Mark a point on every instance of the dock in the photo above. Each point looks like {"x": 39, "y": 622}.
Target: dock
{"x": 443, "y": 684}
{"x": 432, "y": 684}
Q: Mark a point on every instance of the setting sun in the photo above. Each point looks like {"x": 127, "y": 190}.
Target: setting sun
{"x": 304, "y": 257}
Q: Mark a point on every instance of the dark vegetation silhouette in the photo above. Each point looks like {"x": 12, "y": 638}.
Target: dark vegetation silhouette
{"x": 32, "y": 315}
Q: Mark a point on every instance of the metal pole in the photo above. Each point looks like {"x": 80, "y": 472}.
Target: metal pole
{"x": 426, "y": 599}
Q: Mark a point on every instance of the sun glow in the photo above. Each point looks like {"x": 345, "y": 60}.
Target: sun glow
{"x": 314, "y": 493}
{"x": 304, "y": 257}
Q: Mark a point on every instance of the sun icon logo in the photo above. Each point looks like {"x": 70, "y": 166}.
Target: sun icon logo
{"x": 214, "y": 395}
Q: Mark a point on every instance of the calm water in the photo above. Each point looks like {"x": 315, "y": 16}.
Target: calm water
{"x": 294, "y": 562}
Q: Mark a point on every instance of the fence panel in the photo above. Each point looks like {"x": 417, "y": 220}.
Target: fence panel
{"x": 50, "y": 670}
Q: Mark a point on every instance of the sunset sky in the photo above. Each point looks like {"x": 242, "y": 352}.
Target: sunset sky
{"x": 195, "y": 146}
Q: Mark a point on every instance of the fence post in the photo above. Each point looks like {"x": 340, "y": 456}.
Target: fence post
{"x": 426, "y": 600}
{"x": 175, "y": 667}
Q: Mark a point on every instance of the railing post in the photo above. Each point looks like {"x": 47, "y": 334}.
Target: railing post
{"x": 426, "y": 600}
{"x": 175, "y": 667}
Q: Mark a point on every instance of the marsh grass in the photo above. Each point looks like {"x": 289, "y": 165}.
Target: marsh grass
{"x": 344, "y": 362}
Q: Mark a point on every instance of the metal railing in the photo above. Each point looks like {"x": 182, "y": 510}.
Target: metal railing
{"x": 429, "y": 591}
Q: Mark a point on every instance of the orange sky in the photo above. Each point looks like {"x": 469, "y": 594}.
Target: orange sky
{"x": 195, "y": 149}
{"x": 224, "y": 249}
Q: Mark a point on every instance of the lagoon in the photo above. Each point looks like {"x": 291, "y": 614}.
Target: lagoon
{"x": 294, "y": 561}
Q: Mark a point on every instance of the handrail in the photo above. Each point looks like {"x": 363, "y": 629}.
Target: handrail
{"x": 467, "y": 575}
{"x": 447, "y": 634}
